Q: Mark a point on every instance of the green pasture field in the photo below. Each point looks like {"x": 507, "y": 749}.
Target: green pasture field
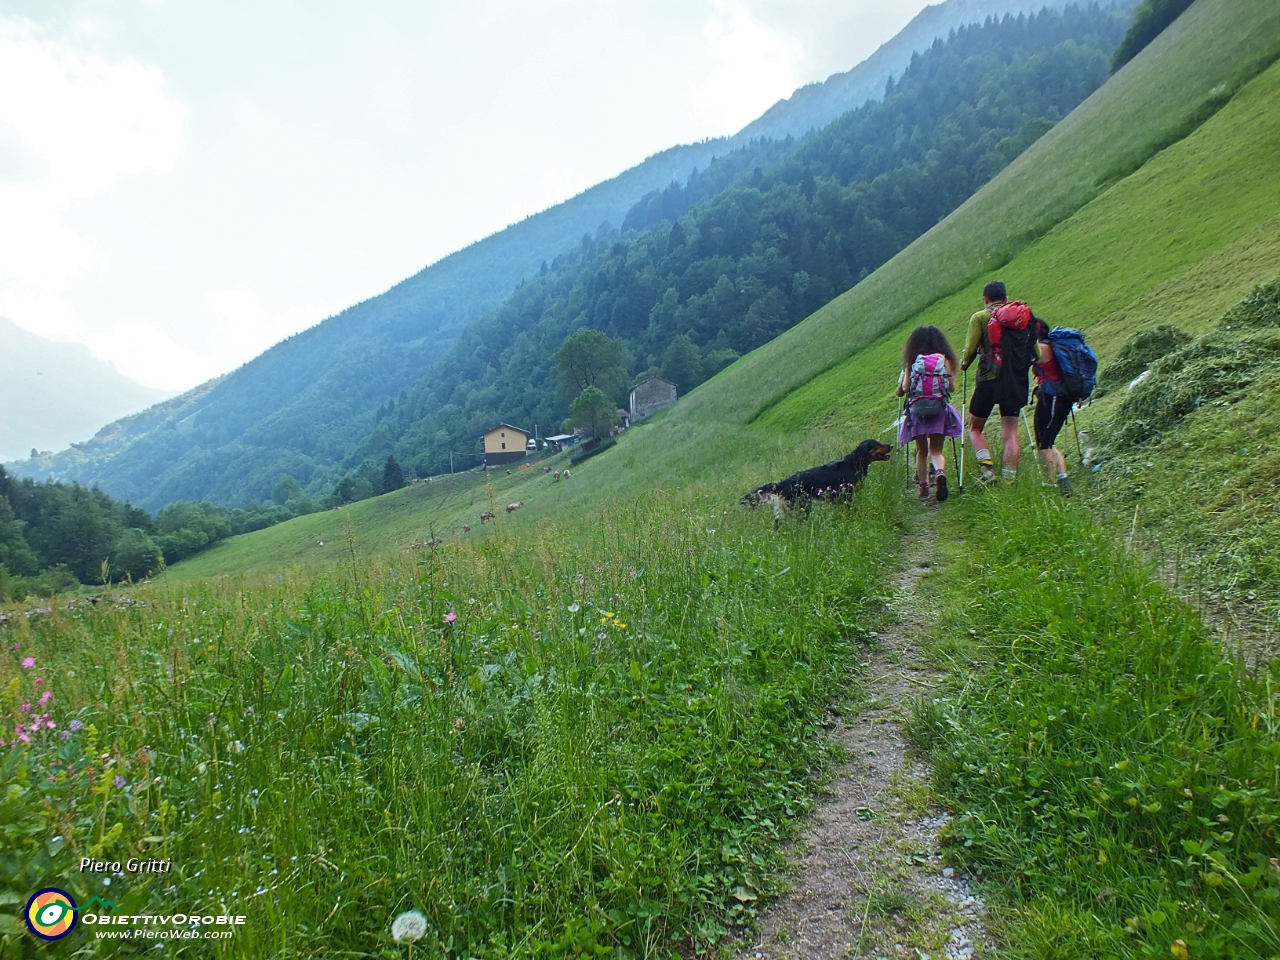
{"x": 1115, "y": 779}
{"x": 587, "y": 742}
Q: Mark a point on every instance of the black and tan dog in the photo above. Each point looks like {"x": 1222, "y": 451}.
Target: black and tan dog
{"x": 830, "y": 482}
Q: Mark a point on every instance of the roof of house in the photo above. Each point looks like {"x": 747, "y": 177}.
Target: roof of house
{"x": 508, "y": 427}
{"x": 560, "y": 436}
{"x": 650, "y": 379}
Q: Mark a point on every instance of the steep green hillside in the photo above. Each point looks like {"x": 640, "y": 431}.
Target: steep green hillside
{"x": 1180, "y": 240}
{"x": 1182, "y": 77}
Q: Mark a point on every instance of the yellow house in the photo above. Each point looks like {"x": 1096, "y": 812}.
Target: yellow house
{"x": 504, "y": 444}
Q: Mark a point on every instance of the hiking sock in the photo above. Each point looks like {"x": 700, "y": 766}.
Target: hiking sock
{"x": 1064, "y": 485}
{"x": 986, "y": 469}
{"x": 942, "y": 487}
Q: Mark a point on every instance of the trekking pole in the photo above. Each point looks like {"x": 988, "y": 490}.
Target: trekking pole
{"x": 964, "y": 404}
{"x": 1079, "y": 452}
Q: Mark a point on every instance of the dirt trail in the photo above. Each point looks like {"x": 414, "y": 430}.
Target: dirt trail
{"x": 869, "y": 879}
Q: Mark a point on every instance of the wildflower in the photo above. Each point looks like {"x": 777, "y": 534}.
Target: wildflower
{"x": 50, "y": 725}
{"x": 574, "y": 608}
{"x": 118, "y": 782}
{"x": 65, "y": 735}
{"x": 26, "y": 707}
{"x": 459, "y": 723}
{"x": 28, "y": 663}
{"x": 448, "y": 618}
{"x": 409, "y": 927}
{"x": 46, "y": 697}
{"x": 39, "y": 680}
{"x": 76, "y": 724}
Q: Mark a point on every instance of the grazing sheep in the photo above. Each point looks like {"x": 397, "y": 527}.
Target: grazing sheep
{"x": 566, "y": 474}
{"x": 513, "y": 507}
{"x": 466, "y": 528}
{"x": 555, "y": 477}
{"x": 547, "y": 468}
{"x": 486, "y": 516}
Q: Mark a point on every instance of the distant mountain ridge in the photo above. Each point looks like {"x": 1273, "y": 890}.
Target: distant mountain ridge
{"x": 54, "y": 393}
{"x": 307, "y": 403}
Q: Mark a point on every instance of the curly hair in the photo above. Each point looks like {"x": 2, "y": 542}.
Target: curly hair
{"x": 924, "y": 341}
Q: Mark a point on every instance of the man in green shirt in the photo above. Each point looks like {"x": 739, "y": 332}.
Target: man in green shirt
{"x": 1008, "y": 391}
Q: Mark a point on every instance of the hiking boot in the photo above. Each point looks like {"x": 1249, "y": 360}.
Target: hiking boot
{"x": 1008, "y": 476}
{"x": 942, "y": 487}
{"x": 986, "y": 473}
{"x": 924, "y": 491}
{"x": 1064, "y": 485}
{"x": 933, "y": 474}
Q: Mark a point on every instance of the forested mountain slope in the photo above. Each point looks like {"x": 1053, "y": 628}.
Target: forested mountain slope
{"x": 784, "y": 238}
{"x": 304, "y": 406}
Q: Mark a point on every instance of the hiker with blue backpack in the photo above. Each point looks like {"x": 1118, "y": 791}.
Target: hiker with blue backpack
{"x": 1066, "y": 370}
{"x": 927, "y": 381}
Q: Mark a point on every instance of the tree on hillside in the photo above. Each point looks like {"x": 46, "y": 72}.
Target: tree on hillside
{"x": 593, "y": 412}
{"x": 287, "y": 488}
{"x": 682, "y": 363}
{"x": 1149, "y": 21}
{"x": 392, "y": 475}
{"x": 136, "y": 556}
{"x": 588, "y": 358}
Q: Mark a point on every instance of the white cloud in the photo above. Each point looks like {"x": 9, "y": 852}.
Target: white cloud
{"x": 754, "y": 64}
{"x": 72, "y": 126}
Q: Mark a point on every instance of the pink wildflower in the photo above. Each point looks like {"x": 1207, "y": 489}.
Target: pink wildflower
{"x": 24, "y": 738}
{"x": 50, "y": 725}
{"x": 46, "y": 697}
{"x": 39, "y": 680}
{"x": 28, "y": 663}
{"x": 26, "y": 707}
{"x": 450, "y": 617}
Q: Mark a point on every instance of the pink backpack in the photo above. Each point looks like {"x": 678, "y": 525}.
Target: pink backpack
{"x": 930, "y": 386}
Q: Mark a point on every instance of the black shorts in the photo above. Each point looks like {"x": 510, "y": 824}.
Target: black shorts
{"x": 1051, "y": 413}
{"x": 1011, "y": 397}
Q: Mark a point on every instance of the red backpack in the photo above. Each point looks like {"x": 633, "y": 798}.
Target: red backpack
{"x": 1009, "y": 337}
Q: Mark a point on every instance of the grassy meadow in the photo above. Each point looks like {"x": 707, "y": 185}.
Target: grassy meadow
{"x": 1115, "y": 779}
{"x": 589, "y": 741}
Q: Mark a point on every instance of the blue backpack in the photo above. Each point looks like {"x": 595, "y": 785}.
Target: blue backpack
{"x": 1076, "y": 360}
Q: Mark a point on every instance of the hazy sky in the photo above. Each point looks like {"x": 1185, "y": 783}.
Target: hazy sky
{"x": 185, "y": 182}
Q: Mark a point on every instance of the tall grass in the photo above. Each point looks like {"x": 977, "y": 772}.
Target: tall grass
{"x": 1114, "y": 776}
{"x": 586, "y": 741}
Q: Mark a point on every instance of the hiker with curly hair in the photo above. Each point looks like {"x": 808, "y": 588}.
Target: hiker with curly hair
{"x": 927, "y": 380}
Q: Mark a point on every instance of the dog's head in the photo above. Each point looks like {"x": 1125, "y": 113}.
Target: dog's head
{"x": 871, "y": 450}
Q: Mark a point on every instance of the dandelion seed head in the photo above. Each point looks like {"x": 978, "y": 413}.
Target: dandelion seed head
{"x": 409, "y": 927}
